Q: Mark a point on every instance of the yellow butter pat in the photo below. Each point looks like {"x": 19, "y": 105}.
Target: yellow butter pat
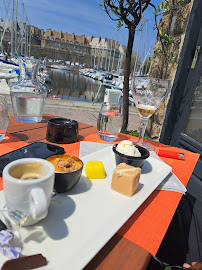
{"x": 95, "y": 170}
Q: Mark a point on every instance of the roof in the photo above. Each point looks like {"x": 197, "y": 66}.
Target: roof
{"x": 71, "y": 38}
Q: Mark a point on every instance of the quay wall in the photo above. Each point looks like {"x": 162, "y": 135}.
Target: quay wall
{"x": 64, "y": 55}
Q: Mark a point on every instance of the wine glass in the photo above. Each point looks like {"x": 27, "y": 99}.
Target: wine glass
{"x": 109, "y": 122}
{"x": 148, "y": 93}
{"x": 4, "y": 116}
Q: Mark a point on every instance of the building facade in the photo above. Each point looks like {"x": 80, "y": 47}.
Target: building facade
{"x": 65, "y": 46}
{"x": 106, "y": 53}
{"x": 32, "y": 41}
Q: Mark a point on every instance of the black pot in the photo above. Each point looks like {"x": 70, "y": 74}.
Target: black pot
{"x": 133, "y": 161}
{"x": 64, "y": 181}
{"x": 62, "y": 130}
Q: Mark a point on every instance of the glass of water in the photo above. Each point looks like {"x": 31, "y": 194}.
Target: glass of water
{"x": 4, "y": 116}
{"x": 110, "y": 120}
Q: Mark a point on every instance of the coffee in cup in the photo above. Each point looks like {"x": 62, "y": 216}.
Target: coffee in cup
{"x": 28, "y": 185}
{"x": 28, "y": 171}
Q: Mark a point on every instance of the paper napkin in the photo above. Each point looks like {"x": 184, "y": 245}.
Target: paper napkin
{"x": 171, "y": 182}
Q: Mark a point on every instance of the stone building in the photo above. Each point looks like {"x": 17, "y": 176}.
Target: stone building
{"x": 60, "y": 45}
{"x": 92, "y": 51}
{"x": 36, "y": 35}
{"x": 105, "y": 53}
{"x": 65, "y": 46}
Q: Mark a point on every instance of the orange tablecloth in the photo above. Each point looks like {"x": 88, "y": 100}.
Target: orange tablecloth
{"x": 8, "y": 144}
{"x": 148, "y": 225}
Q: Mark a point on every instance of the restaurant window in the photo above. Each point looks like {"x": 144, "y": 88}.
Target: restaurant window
{"x": 193, "y": 126}
{"x": 183, "y": 120}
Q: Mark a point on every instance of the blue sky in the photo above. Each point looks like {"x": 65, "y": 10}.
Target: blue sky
{"x": 82, "y": 17}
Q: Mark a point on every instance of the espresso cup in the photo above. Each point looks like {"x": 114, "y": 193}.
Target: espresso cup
{"x": 28, "y": 185}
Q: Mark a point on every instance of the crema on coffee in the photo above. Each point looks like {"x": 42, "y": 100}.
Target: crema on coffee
{"x": 28, "y": 171}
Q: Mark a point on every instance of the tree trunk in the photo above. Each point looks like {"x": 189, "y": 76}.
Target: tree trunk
{"x": 131, "y": 35}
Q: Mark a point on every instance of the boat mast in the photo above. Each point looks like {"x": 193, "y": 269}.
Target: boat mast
{"x": 94, "y": 55}
{"x": 121, "y": 60}
{"x": 118, "y": 60}
{"x": 16, "y": 25}
{"x": 144, "y": 40}
{"x": 22, "y": 29}
{"x": 142, "y": 64}
{"x": 26, "y": 38}
{"x": 136, "y": 59}
{"x": 29, "y": 41}
{"x": 120, "y": 56}
{"x": 4, "y": 26}
{"x": 102, "y": 54}
{"x": 12, "y": 28}
{"x": 98, "y": 50}
{"x": 106, "y": 56}
{"x": 110, "y": 55}
{"x": 114, "y": 54}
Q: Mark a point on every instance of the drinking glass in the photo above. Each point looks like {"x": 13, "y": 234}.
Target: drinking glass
{"x": 4, "y": 116}
{"x": 148, "y": 93}
{"x": 109, "y": 121}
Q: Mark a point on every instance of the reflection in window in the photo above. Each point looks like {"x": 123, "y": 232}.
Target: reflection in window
{"x": 194, "y": 122}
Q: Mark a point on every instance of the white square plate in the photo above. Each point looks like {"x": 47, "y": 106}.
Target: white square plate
{"x": 81, "y": 221}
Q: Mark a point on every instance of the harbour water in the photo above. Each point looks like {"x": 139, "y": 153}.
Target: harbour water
{"x": 71, "y": 85}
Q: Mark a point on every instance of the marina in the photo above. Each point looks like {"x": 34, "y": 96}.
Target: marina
{"x": 75, "y": 86}
{"x": 67, "y": 83}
